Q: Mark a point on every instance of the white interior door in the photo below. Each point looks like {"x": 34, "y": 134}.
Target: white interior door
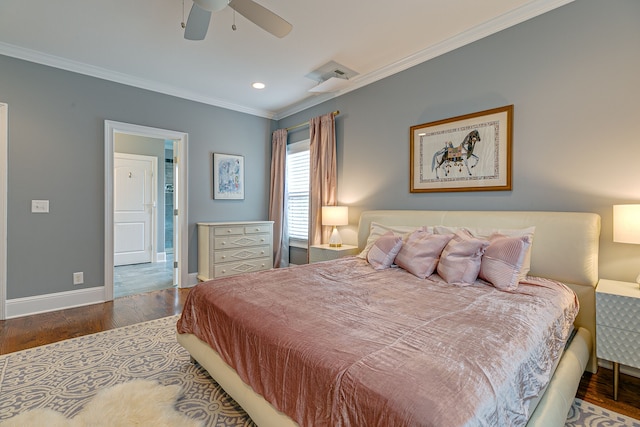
{"x": 4, "y": 144}
{"x": 176, "y": 212}
{"x": 134, "y": 207}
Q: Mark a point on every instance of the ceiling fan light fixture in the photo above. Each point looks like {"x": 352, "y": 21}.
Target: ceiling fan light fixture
{"x": 212, "y": 5}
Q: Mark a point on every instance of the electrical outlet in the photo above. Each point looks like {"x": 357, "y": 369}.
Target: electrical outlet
{"x": 40, "y": 206}
{"x": 78, "y": 278}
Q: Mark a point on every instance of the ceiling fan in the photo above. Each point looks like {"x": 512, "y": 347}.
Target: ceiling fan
{"x": 200, "y": 17}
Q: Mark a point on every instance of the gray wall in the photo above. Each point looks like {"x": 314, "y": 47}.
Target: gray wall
{"x": 572, "y": 75}
{"x": 56, "y": 152}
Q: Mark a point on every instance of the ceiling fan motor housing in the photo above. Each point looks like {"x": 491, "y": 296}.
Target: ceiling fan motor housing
{"x": 212, "y": 5}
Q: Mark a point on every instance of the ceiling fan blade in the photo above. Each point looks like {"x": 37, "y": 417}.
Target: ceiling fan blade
{"x": 262, "y": 17}
{"x": 197, "y": 23}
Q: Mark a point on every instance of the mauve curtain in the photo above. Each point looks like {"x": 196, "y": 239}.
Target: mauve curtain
{"x": 323, "y": 174}
{"x": 277, "y": 205}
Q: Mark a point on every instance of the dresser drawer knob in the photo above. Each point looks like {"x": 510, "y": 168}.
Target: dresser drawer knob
{"x": 261, "y": 252}
{"x": 257, "y": 229}
{"x": 262, "y": 240}
{"x": 224, "y": 271}
{"x": 224, "y": 243}
{"x": 224, "y": 256}
{"x": 229, "y": 231}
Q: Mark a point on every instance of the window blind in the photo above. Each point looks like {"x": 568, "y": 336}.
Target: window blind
{"x": 298, "y": 162}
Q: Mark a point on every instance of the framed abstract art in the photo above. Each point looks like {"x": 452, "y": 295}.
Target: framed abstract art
{"x": 228, "y": 176}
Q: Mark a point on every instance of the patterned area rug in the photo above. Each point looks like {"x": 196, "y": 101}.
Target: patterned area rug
{"x": 65, "y": 376}
{"x": 585, "y": 414}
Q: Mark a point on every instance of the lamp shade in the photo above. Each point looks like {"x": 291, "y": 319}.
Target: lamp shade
{"x": 335, "y": 215}
{"x": 626, "y": 223}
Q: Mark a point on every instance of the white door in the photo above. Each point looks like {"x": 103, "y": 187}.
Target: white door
{"x": 176, "y": 222}
{"x": 4, "y": 143}
{"x": 134, "y": 207}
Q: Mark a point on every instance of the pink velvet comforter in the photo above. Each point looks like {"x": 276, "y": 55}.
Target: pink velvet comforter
{"x": 341, "y": 344}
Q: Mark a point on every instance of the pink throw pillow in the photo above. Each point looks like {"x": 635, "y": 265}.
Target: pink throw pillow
{"x": 419, "y": 255}
{"x": 384, "y": 251}
{"x": 486, "y": 234}
{"x": 461, "y": 258}
{"x": 502, "y": 261}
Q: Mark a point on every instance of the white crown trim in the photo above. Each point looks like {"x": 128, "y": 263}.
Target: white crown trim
{"x": 126, "y": 79}
{"x": 478, "y": 32}
{"x": 499, "y": 23}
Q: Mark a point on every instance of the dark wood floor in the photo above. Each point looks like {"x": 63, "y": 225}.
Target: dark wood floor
{"x": 31, "y": 331}
{"x": 598, "y": 389}
{"x": 26, "y": 332}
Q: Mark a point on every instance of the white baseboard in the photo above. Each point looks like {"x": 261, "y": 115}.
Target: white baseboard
{"x": 27, "y": 306}
{"x": 192, "y": 280}
{"x": 161, "y": 257}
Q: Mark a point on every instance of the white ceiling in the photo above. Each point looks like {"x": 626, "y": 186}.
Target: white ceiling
{"x": 140, "y": 43}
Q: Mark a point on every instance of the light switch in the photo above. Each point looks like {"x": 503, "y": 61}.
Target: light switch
{"x": 40, "y": 206}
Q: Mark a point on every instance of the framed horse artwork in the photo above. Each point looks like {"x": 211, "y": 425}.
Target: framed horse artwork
{"x": 464, "y": 153}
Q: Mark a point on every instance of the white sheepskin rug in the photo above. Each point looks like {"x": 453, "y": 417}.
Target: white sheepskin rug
{"x": 135, "y": 403}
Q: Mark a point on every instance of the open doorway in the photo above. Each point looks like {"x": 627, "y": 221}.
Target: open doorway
{"x": 143, "y": 256}
{"x": 145, "y": 209}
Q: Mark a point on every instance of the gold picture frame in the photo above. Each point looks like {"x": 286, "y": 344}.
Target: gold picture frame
{"x": 464, "y": 153}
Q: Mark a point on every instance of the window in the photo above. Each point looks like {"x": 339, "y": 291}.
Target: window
{"x": 298, "y": 190}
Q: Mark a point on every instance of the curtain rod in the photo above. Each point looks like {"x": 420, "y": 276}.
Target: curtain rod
{"x": 335, "y": 113}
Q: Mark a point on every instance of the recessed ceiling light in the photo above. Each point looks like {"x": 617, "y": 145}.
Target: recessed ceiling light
{"x": 258, "y": 85}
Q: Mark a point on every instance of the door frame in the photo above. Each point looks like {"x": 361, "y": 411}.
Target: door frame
{"x": 4, "y": 173}
{"x": 154, "y": 200}
{"x": 111, "y": 128}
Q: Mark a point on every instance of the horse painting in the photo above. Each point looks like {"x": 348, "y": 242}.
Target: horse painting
{"x": 451, "y": 156}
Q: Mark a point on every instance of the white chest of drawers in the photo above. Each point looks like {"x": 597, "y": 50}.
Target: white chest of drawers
{"x": 618, "y": 325}
{"x": 230, "y": 248}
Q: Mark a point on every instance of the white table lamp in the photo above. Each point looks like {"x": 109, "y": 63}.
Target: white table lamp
{"x": 626, "y": 225}
{"x": 334, "y": 216}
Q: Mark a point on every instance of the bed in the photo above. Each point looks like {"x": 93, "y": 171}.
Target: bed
{"x": 564, "y": 249}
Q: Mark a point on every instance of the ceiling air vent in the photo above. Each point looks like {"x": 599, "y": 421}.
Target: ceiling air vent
{"x": 331, "y": 77}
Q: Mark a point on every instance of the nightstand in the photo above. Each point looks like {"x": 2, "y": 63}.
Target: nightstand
{"x": 618, "y": 325}
{"x": 325, "y": 252}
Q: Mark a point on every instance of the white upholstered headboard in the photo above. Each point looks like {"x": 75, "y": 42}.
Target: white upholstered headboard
{"x": 565, "y": 244}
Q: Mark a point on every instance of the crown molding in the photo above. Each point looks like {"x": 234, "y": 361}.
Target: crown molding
{"x": 499, "y": 23}
{"x": 122, "y": 78}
